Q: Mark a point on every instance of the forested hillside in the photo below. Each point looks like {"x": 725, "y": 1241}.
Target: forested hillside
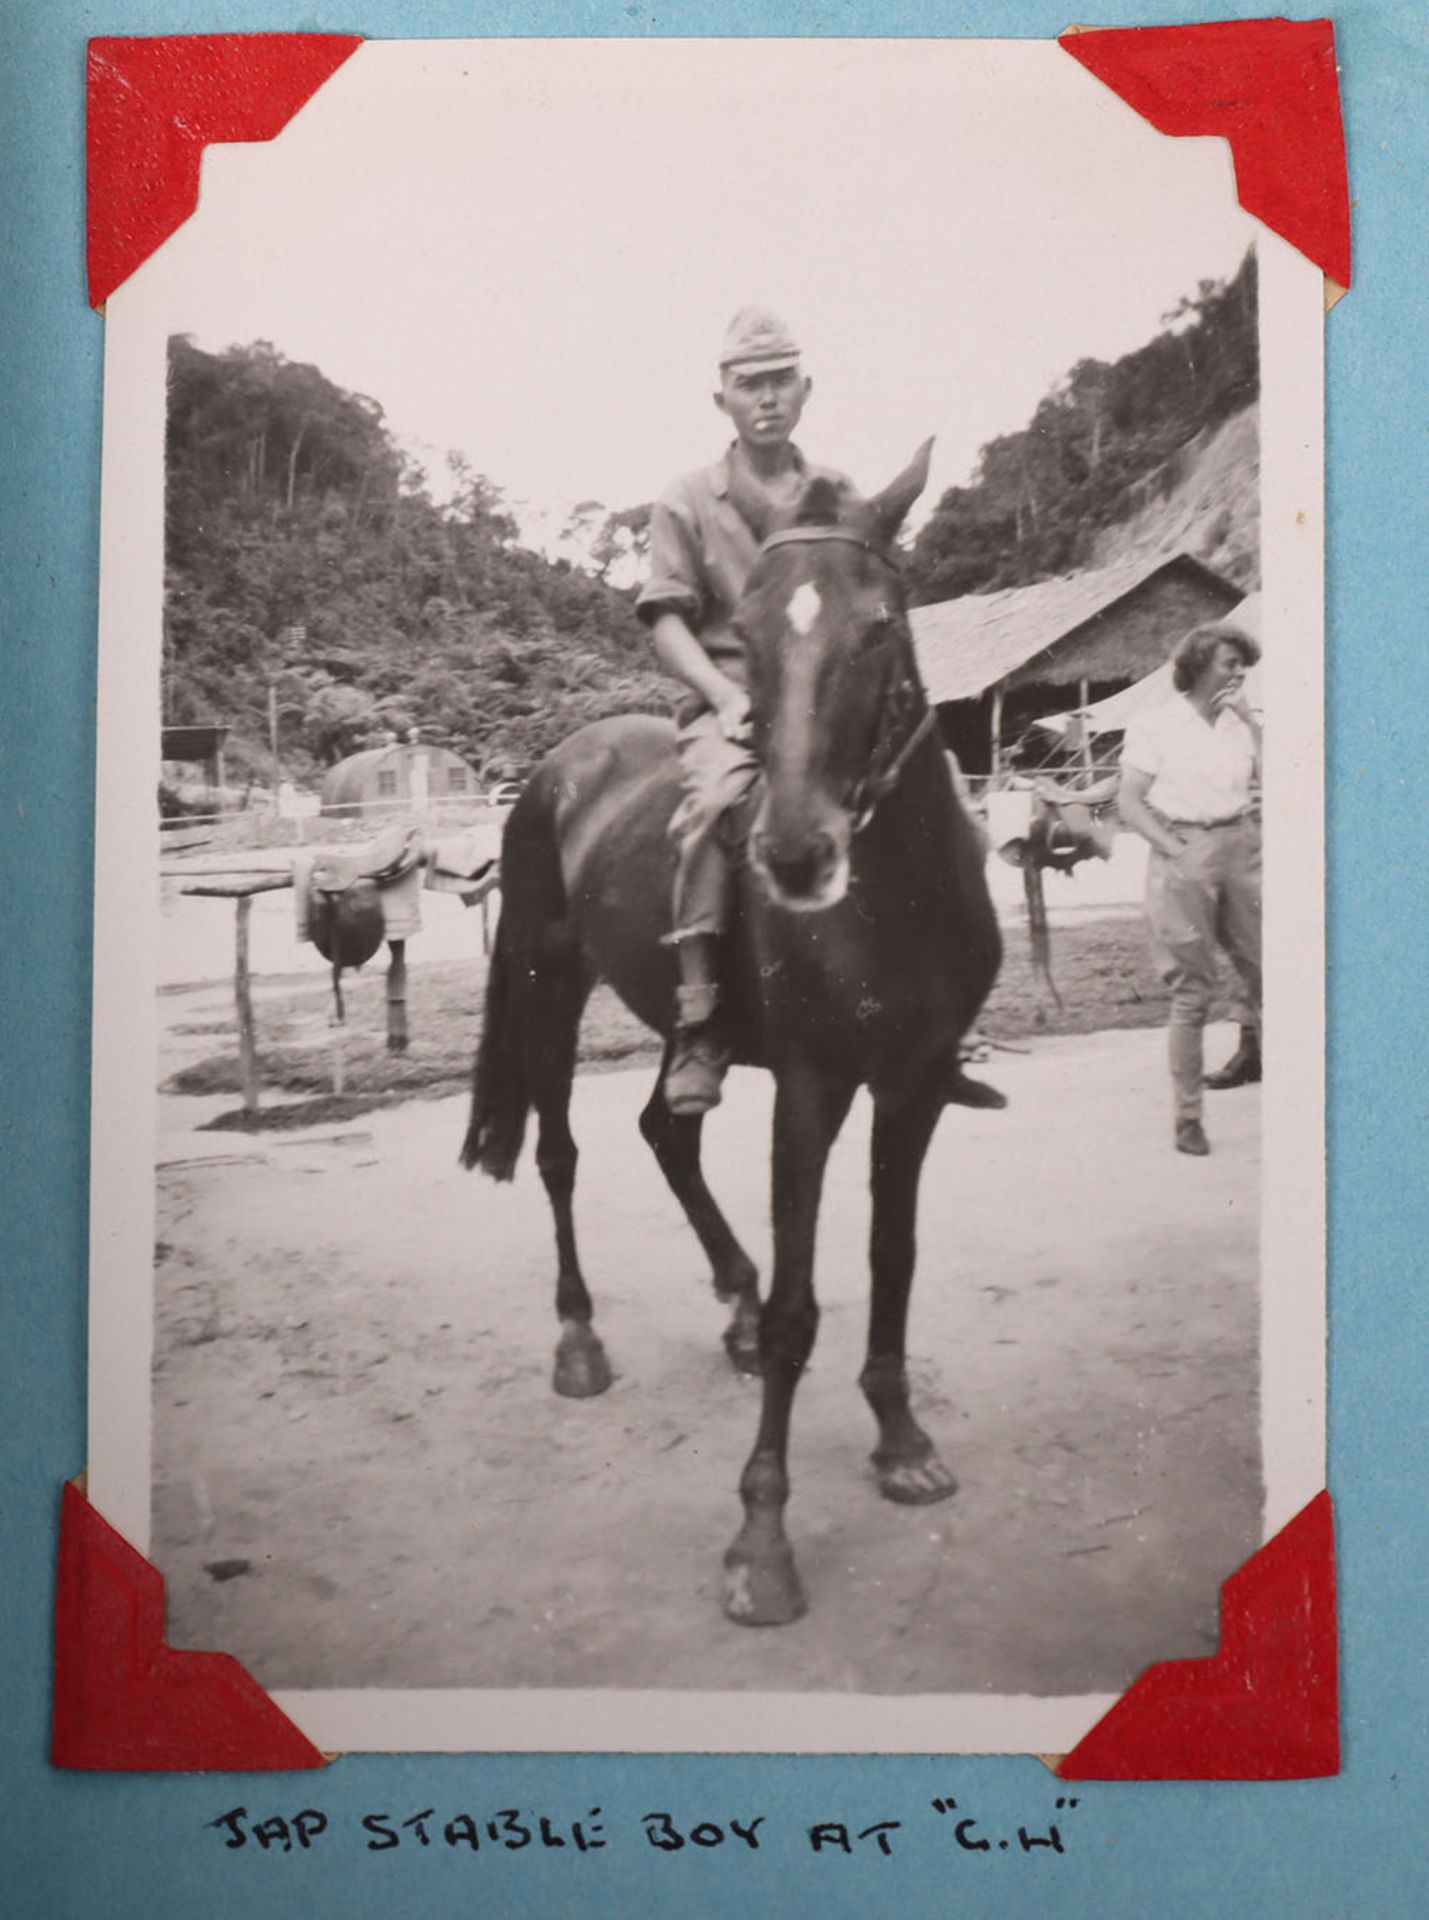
{"x": 309, "y": 571}
{"x": 304, "y": 555}
{"x": 1047, "y": 500}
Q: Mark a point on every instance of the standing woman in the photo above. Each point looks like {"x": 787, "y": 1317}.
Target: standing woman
{"x": 1188, "y": 773}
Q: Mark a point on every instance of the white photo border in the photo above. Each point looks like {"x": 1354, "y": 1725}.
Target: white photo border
{"x": 1293, "y": 1325}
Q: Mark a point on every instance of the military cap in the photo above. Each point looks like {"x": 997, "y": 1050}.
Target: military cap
{"x": 757, "y": 337}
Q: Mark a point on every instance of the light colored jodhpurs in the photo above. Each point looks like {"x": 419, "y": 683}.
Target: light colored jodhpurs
{"x": 1207, "y": 898}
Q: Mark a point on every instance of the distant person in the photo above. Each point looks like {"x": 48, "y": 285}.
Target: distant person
{"x": 1188, "y": 772}
{"x": 702, "y": 551}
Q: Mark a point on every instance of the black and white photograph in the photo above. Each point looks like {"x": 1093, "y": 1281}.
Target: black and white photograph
{"x": 708, "y": 1019}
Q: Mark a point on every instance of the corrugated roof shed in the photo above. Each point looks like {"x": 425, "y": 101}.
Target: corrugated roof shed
{"x": 356, "y": 780}
{"x": 967, "y": 645}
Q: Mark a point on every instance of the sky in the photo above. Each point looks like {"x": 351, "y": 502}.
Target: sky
{"x": 528, "y": 251}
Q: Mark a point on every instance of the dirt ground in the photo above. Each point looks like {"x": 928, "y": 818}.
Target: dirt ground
{"x": 363, "y": 1478}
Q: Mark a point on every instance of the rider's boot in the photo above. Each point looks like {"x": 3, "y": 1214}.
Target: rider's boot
{"x": 1243, "y": 1069}
{"x": 699, "y": 1057}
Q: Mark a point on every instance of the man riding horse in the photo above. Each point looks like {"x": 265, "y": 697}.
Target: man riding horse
{"x": 860, "y": 939}
{"x": 702, "y": 548}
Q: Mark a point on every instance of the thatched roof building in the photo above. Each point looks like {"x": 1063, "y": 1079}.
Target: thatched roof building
{"x": 1112, "y": 714}
{"x": 993, "y": 662}
{"x": 380, "y": 780}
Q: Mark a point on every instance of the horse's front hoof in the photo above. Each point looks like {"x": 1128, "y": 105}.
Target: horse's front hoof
{"x": 914, "y": 1483}
{"x": 762, "y": 1590}
{"x": 743, "y": 1356}
{"x": 582, "y": 1370}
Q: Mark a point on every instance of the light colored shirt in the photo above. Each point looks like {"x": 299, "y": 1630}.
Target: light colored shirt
{"x": 701, "y": 554}
{"x": 1201, "y": 770}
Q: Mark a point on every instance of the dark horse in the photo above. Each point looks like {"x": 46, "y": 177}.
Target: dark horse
{"x": 862, "y": 945}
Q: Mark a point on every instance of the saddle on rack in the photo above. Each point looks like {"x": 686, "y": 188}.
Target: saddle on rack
{"x": 340, "y": 901}
{"x": 1065, "y": 826}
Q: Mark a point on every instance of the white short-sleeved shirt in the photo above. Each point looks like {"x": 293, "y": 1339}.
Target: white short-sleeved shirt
{"x": 1200, "y": 770}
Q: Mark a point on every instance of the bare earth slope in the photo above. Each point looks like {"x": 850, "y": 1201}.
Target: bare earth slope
{"x": 1205, "y": 502}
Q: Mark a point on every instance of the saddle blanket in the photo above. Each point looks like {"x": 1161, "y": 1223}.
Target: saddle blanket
{"x": 466, "y": 864}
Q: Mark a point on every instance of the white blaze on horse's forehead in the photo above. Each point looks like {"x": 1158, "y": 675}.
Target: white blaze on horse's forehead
{"x": 804, "y": 607}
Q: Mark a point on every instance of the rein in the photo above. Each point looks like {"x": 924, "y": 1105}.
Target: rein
{"x": 877, "y": 784}
{"x": 880, "y": 780}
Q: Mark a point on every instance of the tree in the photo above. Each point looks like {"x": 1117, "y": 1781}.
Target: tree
{"x": 582, "y": 528}
{"x": 623, "y": 541}
{"x": 1039, "y": 497}
{"x": 339, "y": 721}
{"x": 304, "y": 552}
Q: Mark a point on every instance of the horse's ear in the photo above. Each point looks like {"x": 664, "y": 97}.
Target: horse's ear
{"x": 889, "y": 509}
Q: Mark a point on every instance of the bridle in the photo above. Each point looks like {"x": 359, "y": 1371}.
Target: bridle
{"x": 904, "y": 699}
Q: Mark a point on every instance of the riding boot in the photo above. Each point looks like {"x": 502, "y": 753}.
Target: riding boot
{"x": 1243, "y": 1067}
{"x": 699, "y": 1058}
{"x": 1191, "y": 1138}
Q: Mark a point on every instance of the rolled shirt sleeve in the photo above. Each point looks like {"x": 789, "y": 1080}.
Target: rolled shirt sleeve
{"x": 676, "y": 583}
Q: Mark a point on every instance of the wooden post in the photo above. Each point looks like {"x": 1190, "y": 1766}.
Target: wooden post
{"x": 1084, "y": 698}
{"x": 397, "y": 997}
{"x": 338, "y": 1027}
{"x": 996, "y": 733}
{"x": 242, "y": 993}
{"x": 241, "y": 890}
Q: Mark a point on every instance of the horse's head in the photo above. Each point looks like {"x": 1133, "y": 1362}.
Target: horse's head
{"x": 834, "y": 693}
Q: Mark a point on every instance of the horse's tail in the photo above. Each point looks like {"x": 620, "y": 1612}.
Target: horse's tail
{"x": 532, "y": 909}
{"x": 500, "y": 1097}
